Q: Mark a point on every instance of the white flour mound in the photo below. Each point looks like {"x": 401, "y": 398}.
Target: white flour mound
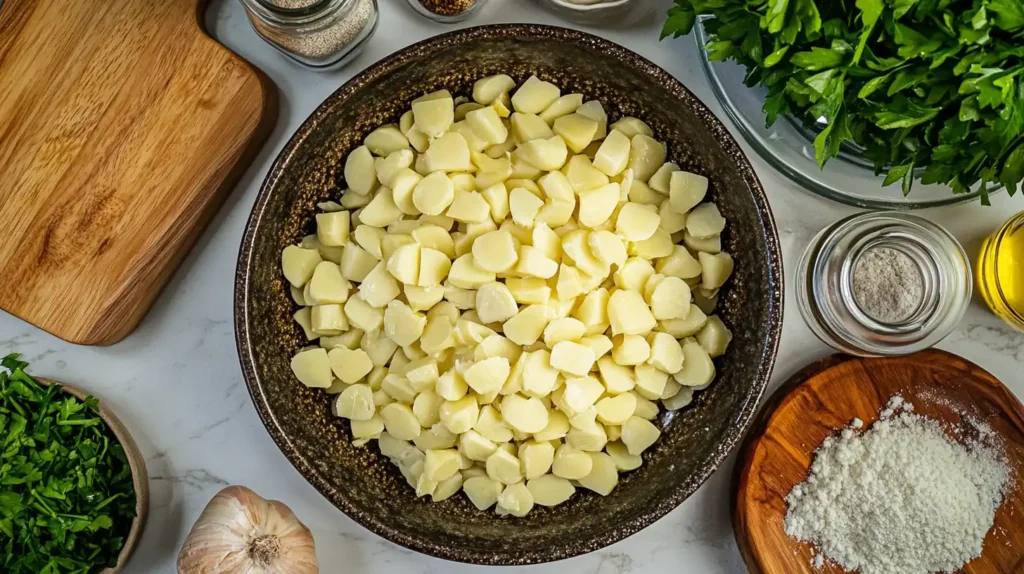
{"x": 900, "y": 498}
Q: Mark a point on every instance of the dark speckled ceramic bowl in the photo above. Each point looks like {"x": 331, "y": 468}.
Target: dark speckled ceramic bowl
{"x": 360, "y": 481}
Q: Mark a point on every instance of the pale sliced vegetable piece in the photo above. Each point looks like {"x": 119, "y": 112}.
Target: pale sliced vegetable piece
{"x": 528, "y": 324}
{"x": 386, "y": 140}
{"x": 646, "y": 155}
{"x": 299, "y": 264}
{"x": 482, "y": 491}
{"x": 698, "y": 370}
{"x": 629, "y": 314}
{"x": 571, "y": 463}
{"x": 593, "y": 110}
{"x": 524, "y": 414}
{"x": 402, "y": 325}
{"x": 534, "y": 96}
{"x": 355, "y": 403}
{"x": 487, "y": 90}
{"x": 526, "y": 127}
{"x": 382, "y": 210}
{"x": 637, "y": 222}
{"x": 712, "y": 244}
{"x": 631, "y": 126}
{"x": 638, "y": 434}
{"x": 533, "y": 263}
{"x": 495, "y": 303}
{"x": 617, "y": 379}
{"x": 545, "y": 154}
{"x": 535, "y": 458}
{"x": 332, "y": 229}
{"x": 679, "y": 264}
{"x": 360, "y": 172}
{"x": 495, "y": 251}
{"x": 686, "y": 190}
{"x": 597, "y": 205}
{"x": 487, "y": 125}
{"x": 603, "y": 476}
{"x": 434, "y": 113}
{"x": 503, "y": 467}
{"x": 448, "y": 153}
{"x": 661, "y": 180}
{"x": 714, "y": 336}
{"x": 613, "y": 155}
{"x": 624, "y": 461}
{"x": 564, "y": 105}
{"x": 400, "y": 421}
{"x": 650, "y": 381}
{"x": 715, "y": 269}
{"x": 705, "y": 221}
{"x": 516, "y": 500}
{"x": 550, "y": 490}
{"x": 460, "y": 416}
{"x": 388, "y": 167}
{"x": 572, "y": 358}
{"x": 466, "y": 274}
{"x": 313, "y": 368}
{"x": 582, "y": 174}
{"x": 469, "y": 207}
{"x": 577, "y": 130}
{"x": 328, "y": 319}
{"x": 630, "y": 350}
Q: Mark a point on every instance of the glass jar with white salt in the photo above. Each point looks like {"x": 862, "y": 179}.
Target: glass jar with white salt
{"x": 883, "y": 283}
{"x": 320, "y": 34}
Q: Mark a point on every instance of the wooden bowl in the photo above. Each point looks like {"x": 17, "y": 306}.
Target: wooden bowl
{"x": 824, "y": 398}
{"x": 137, "y": 463}
{"x": 365, "y": 485}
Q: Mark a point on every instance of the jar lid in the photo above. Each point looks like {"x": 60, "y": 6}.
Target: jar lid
{"x": 883, "y": 283}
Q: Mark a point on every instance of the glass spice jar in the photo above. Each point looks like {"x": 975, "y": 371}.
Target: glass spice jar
{"x": 319, "y": 34}
{"x": 447, "y": 11}
{"x": 883, "y": 283}
{"x": 1001, "y": 272}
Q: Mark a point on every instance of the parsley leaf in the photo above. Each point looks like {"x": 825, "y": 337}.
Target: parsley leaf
{"x": 66, "y": 495}
{"x": 930, "y": 89}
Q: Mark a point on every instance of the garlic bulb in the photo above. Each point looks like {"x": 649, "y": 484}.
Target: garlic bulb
{"x": 239, "y": 532}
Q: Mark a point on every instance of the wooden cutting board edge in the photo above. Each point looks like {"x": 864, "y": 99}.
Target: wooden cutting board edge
{"x": 113, "y": 329}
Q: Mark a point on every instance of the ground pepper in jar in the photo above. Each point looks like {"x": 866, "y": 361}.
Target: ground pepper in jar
{"x": 447, "y": 11}
{"x": 447, "y": 7}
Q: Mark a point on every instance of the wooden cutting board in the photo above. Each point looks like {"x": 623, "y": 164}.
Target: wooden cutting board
{"x": 122, "y": 128}
{"x": 824, "y": 398}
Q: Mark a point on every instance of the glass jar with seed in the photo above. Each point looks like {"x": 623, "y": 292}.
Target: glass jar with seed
{"x": 883, "y": 283}
{"x": 320, "y": 34}
{"x": 447, "y": 11}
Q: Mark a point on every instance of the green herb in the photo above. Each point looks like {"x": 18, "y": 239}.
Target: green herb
{"x": 66, "y": 494}
{"x": 928, "y": 88}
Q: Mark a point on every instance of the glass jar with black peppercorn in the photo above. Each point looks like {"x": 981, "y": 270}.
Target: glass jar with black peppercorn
{"x": 447, "y": 11}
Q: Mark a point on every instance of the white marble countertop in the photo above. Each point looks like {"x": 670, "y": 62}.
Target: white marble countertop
{"x": 177, "y": 384}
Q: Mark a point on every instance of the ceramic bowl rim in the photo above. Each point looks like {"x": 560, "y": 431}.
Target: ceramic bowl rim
{"x": 657, "y": 509}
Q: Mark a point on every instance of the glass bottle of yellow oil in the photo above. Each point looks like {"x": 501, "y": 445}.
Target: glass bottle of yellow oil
{"x": 1001, "y": 272}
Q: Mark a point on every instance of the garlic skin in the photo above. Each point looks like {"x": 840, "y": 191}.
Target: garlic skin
{"x": 239, "y": 532}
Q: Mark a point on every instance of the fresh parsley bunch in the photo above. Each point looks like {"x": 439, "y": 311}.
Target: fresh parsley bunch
{"x": 66, "y": 493}
{"x": 928, "y": 88}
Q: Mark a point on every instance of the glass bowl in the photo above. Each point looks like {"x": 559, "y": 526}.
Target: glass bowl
{"x": 789, "y": 147}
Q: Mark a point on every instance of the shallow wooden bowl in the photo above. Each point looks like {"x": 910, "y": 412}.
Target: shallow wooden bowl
{"x": 140, "y": 479}
{"x": 825, "y": 397}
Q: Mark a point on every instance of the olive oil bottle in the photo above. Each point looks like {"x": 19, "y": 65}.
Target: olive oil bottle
{"x": 1001, "y": 272}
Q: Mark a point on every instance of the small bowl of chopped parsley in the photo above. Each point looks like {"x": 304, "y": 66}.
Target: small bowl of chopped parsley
{"x": 73, "y": 490}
